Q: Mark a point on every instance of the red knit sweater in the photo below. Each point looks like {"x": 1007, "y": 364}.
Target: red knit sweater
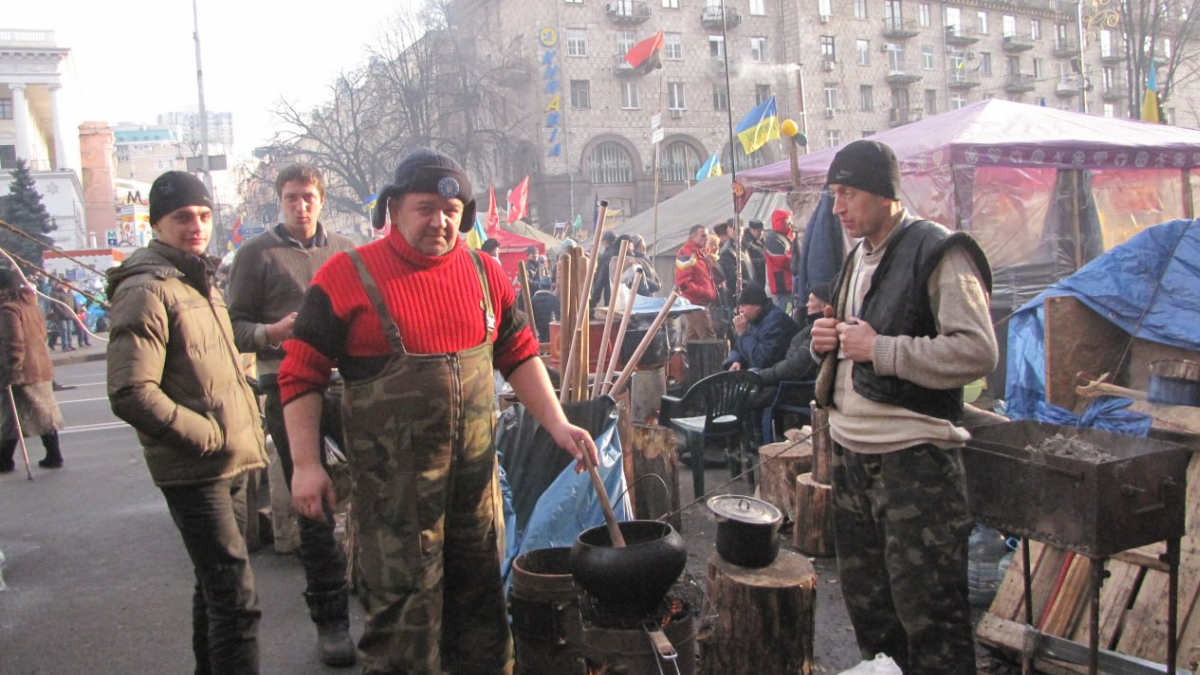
{"x": 435, "y": 301}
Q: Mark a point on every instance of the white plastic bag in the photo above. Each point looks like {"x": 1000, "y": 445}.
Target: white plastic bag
{"x": 882, "y": 664}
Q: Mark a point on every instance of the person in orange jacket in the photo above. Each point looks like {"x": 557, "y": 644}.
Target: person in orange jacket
{"x": 694, "y": 279}
{"x": 778, "y": 248}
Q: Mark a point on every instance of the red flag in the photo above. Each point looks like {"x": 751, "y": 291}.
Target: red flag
{"x": 645, "y": 50}
{"x": 237, "y": 232}
{"x": 492, "y": 223}
{"x": 517, "y": 201}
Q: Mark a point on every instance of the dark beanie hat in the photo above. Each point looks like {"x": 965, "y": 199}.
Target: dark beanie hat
{"x": 756, "y": 224}
{"x": 430, "y": 171}
{"x": 869, "y": 166}
{"x": 174, "y": 190}
{"x": 753, "y": 294}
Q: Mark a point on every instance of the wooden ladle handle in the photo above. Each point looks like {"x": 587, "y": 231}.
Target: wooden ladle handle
{"x": 610, "y": 518}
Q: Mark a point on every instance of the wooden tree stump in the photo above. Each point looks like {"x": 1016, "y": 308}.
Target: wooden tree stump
{"x": 705, "y": 357}
{"x": 779, "y": 465}
{"x": 764, "y": 623}
{"x": 822, "y": 445}
{"x": 812, "y": 533}
{"x": 654, "y": 450}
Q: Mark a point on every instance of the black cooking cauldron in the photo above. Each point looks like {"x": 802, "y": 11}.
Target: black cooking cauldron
{"x": 634, "y": 577}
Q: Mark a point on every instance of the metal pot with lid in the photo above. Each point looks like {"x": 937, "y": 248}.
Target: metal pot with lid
{"x": 747, "y": 529}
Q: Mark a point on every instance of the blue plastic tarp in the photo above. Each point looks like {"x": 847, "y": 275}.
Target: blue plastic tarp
{"x": 1149, "y": 287}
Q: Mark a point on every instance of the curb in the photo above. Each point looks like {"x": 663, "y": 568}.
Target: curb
{"x": 73, "y": 359}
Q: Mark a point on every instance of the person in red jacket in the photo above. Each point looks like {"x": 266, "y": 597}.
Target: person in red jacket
{"x": 779, "y": 258}
{"x": 694, "y": 279}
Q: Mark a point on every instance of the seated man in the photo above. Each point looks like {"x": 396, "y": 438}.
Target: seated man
{"x": 762, "y": 331}
{"x": 797, "y": 365}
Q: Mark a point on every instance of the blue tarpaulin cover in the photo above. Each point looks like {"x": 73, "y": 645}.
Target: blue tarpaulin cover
{"x": 1149, "y": 287}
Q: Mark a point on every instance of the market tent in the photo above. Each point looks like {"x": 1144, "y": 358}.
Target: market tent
{"x": 512, "y": 250}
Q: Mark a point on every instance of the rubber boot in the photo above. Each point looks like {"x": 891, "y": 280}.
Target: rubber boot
{"x": 7, "y": 448}
{"x": 53, "y": 459}
{"x": 330, "y": 610}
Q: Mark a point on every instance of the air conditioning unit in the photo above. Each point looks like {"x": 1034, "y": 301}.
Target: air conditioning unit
{"x": 827, "y": 65}
{"x": 824, "y": 18}
{"x": 676, "y": 113}
{"x": 830, "y": 112}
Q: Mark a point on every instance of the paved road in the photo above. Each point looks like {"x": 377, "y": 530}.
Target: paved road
{"x": 99, "y": 581}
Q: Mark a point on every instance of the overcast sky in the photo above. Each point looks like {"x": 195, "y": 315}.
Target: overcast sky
{"x": 136, "y": 58}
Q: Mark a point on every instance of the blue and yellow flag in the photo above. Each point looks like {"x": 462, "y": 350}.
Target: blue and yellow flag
{"x": 369, "y": 205}
{"x": 759, "y": 126}
{"x": 1150, "y": 99}
{"x": 711, "y": 168}
{"x": 477, "y": 235}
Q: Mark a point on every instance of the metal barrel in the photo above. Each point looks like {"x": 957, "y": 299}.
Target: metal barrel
{"x": 546, "y": 623}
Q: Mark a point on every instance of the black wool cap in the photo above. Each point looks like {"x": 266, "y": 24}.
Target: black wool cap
{"x": 753, "y": 294}
{"x": 175, "y": 190}
{"x": 429, "y": 171}
{"x": 756, "y": 224}
{"x": 867, "y": 165}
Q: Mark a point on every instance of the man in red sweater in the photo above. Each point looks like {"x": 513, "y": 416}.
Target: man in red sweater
{"x": 416, "y": 323}
{"x": 694, "y": 279}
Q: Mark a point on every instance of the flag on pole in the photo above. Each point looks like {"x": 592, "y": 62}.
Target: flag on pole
{"x": 577, "y": 225}
{"x": 236, "y": 235}
{"x": 518, "y": 200}
{"x": 1150, "y": 98}
{"x": 492, "y": 224}
{"x": 646, "y": 52}
{"x": 369, "y": 205}
{"x": 759, "y": 126}
{"x": 476, "y": 236}
{"x": 711, "y": 168}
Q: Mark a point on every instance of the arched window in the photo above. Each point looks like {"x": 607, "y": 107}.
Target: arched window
{"x": 610, "y": 163}
{"x": 757, "y": 158}
{"x": 678, "y": 163}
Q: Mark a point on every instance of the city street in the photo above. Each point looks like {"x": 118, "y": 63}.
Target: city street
{"x": 98, "y": 580}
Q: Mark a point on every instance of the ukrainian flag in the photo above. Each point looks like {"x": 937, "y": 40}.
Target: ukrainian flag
{"x": 1150, "y": 98}
{"x": 759, "y": 126}
{"x": 369, "y": 205}
{"x": 711, "y": 168}
{"x": 477, "y": 235}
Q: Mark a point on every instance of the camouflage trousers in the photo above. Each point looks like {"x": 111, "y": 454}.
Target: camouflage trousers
{"x": 901, "y": 530}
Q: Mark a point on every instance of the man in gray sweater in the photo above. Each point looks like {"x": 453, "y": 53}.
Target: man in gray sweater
{"x": 909, "y": 326}
{"x": 266, "y": 286}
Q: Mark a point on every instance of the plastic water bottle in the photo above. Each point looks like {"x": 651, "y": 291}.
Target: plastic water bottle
{"x": 985, "y": 551}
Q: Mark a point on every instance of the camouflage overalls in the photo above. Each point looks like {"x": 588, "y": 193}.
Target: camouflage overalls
{"x": 422, "y": 460}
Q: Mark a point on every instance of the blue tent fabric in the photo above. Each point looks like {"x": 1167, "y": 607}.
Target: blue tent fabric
{"x": 1149, "y": 287}
{"x": 821, "y": 252}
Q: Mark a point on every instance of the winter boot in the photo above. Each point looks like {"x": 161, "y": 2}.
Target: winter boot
{"x": 7, "y": 448}
{"x": 53, "y": 459}
{"x": 330, "y": 610}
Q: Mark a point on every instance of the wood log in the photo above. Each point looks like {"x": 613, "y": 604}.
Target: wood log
{"x": 822, "y": 444}
{"x": 812, "y": 532}
{"x": 764, "y": 617}
{"x": 705, "y": 357}
{"x": 655, "y": 456}
{"x": 780, "y": 464}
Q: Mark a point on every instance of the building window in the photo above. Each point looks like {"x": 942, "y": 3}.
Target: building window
{"x": 678, "y": 163}
{"x": 672, "y": 46}
{"x": 828, "y": 51}
{"x": 895, "y": 54}
{"x": 825, "y": 7}
{"x": 629, "y": 96}
{"x": 610, "y": 163}
{"x": 743, "y": 161}
{"x": 573, "y": 2}
{"x": 1038, "y": 68}
{"x": 954, "y": 20}
{"x": 924, "y": 15}
{"x": 833, "y": 138}
{"x": 957, "y": 101}
{"x": 1108, "y": 79}
{"x": 720, "y": 97}
{"x": 1110, "y": 110}
{"x": 831, "y": 96}
{"x": 670, "y": 4}
{"x": 576, "y": 42}
{"x": 860, "y": 9}
{"x": 983, "y": 24}
{"x": 862, "y": 50}
{"x": 1035, "y": 29}
{"x": 758, "y": 8}
{"x": 675, "y": 97}
{"x": 931, "y": 101}
{"x": 6, "y": 109}
{"x": 625, "y": 41}
{"x": 758, "y": 49}
{"x": 8, "y": 156}
{"x": 866, "y": 98}
{"x": 1106, "y": 44}
{"x": 985, "y": 63}
{"x": 1009, "y": 25}
{"x": 716, "y": 46}
{"x": 581, "y": 94}
{"x": 762, "y": 92}
{"x": 926, "y": 57}
{"x": 1013, "y": 65}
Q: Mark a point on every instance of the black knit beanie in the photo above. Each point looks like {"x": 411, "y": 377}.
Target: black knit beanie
{"x": 430, "y": 171}
{"x": 174, "y": 190}
{"x": 753, "y": 294}
{"x": 866, "y": 165}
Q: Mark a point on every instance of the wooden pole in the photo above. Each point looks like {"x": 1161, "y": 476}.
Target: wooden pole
{"x": 582, "y": 320}
{"x": 608, "y": 316}
{"x": 610, "y": 518}
{"x": 523, "y": 277}
{"x": 619, "y": 340}
{"x": 645, "y": 343}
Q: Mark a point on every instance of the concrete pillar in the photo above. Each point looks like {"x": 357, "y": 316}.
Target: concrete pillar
{"x": 61, "y": 161}
{"x": 21, "y": 120}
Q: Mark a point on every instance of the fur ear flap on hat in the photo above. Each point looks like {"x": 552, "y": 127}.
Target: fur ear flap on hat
{"x": 429, "y": 171}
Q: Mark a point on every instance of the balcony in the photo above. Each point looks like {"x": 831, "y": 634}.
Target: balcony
{"x": 960, "y": 80}
{"x": 1066, "y": 48}
{"x": 621, "y": 67}
{"x": 1114, "y": 95}
{"x": 711, "y": 18}
{"x": 958, "y": 37}
{"x": 1112, "y": 57}
{"x": 896, "y": 28}
{"x": 1019, "y": 83}
{"x": 716, "y": 66}
{"x": 514, "y": 73}
{"x": 1067, "y": 87}
{"x": 627, "y": 11}
{"x": 1017, "y": 42}
{"x": 901, "y": 116}
{"x": 902, "y": 77}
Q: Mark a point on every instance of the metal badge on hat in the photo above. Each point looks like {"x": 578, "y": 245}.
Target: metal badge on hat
{"x": 448, "y": 187}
